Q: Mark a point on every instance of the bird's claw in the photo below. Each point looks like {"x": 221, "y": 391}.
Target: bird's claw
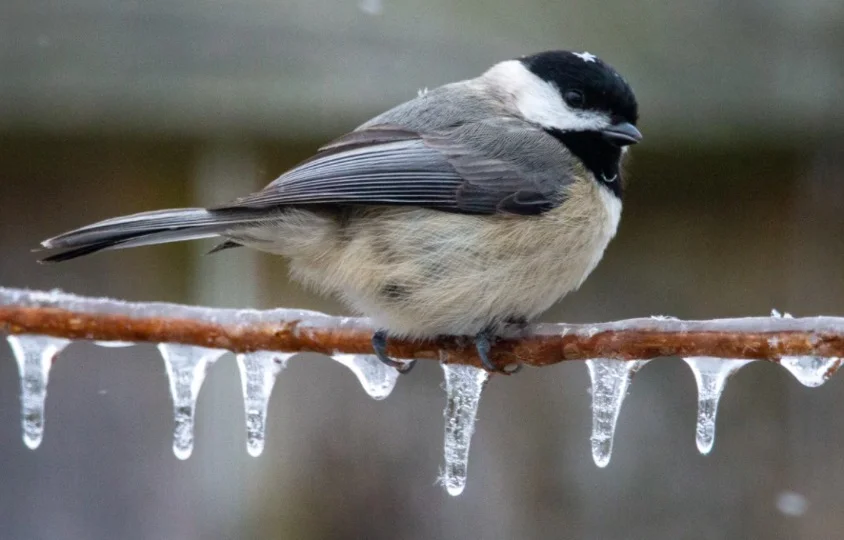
{"x": 379, "y": 345}
{"x": 483, "y": 344}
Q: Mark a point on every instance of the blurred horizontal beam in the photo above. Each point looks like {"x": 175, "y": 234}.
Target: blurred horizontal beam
{"x": 75, "y": 317}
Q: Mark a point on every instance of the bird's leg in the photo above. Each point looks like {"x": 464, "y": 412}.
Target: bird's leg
{"x": 379, "y": 344}
{"x": 483, "y": 343}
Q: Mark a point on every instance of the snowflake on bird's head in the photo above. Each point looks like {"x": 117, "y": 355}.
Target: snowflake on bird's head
{"x": 586, "y": 56}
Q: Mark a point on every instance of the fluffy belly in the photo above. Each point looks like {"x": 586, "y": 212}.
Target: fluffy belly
{"x": 420, "y": 272}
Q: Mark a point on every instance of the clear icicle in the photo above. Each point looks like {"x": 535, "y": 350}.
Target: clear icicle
{"x": 377, "y": 378}
{"x": 463, "y": 386}
{"x": 811, "y": 371}
{"x": 186, "y": 367}
{"x": 34, "y": 355}
{"x": 258, "y": 371}
{"x": 610, "y": 381}
{"x": 711, "y": 376}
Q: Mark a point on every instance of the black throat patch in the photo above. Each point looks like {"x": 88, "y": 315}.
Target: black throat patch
{"x": 601, "y": 158}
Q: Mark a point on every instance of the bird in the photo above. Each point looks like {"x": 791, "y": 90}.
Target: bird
{"x": 473, "y": 206}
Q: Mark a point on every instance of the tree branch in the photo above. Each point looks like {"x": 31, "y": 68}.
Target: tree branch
{"x": 760, "y": 338}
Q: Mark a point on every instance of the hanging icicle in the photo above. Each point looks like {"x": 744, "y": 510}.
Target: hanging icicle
{"x": 463, "y": 387}
{"x": 711, "y": 376}
{"x": 811, "y": 371}
{"x": 34, "y": 355}
{"x": 186, "y": 368}
{"x": 377, "y": 378}
{"x": 610, "y": 381}
{"x": 258, "y": 372}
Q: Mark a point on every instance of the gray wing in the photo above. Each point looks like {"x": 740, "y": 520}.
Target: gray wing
{"x": 465, "y": 169}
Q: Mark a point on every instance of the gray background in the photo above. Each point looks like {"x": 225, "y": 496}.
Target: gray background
{"x": 734, "y": 207}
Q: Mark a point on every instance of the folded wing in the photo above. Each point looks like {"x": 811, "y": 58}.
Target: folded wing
{"x": 387, "y": 165}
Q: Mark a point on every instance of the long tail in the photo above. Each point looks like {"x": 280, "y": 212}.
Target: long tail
{"x": 145, "y": 229}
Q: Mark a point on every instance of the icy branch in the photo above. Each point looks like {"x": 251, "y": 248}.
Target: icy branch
{"x": 190, "y": 339}
{"x": 68, "y": 316}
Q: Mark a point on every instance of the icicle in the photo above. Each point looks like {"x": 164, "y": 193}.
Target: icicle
{"x": 34, "y": 355}
{"x": 258, "y": 371}
{"x": 377, "y": 378}
{"x": 811, "y": 371}
{"x": 711, "y": 376}
{"x": 610, "y": 381}
{"x": 463, "y": 386}
{"x": 186, "y": 367}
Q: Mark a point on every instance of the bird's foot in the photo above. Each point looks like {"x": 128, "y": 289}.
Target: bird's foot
{"x": 483, "y": 343}
{"x": 379, "y": 344}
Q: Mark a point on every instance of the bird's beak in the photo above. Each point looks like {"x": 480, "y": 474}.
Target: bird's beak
{"x": 622, "y": 134}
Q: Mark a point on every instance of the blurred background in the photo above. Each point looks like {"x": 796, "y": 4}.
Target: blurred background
{"x": 734, "y": 207}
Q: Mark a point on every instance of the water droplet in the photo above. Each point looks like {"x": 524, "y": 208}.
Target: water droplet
{"x": 186, "y": 368}
{"x": 258, "y": 372}
{"x": 463, "y": 386}
{"x": 34, "y": 355}
{"x": 377, "y": 378}
{"x": 792, "y": 504}
{"x": 711, "y": 376}
{"x": 610, "y": 381}
{"x": 811, "y": 371}
{"x": 371, "y": 7}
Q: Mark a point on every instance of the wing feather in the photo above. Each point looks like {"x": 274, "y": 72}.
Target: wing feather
{"x": 389, "y": 165}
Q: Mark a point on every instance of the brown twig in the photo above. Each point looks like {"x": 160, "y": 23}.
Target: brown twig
{"x": 74, "y": 317}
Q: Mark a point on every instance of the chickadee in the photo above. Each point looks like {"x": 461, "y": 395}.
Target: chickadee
{"x": 477, "y": 204}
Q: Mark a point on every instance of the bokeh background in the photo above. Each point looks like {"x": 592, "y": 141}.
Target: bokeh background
{"x": 734, "y": 207}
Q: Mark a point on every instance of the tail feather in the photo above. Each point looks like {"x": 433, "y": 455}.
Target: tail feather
{"x": 146, "y": 228}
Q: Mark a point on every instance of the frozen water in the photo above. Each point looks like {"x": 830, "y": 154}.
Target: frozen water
{"x": 57, "y": 299}
{"x": 34, "y": 355}
{"x": 377, "y": 378}
{"x": 258, "y": 371}
{"x": 610, "y": 381}
{"x": 811, "y": 371}
{"x": 186, "y": 367}
{"x": 308, "y": 319}
{"x": 463, "y": 386}
{"x": 113, "y": 344}
{"x": 711, "y": 376}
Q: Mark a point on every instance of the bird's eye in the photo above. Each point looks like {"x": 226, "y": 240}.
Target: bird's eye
{"x": 574, "y": 98}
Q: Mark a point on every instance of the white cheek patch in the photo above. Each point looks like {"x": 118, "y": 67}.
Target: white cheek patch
{"x": 540, "y": 102}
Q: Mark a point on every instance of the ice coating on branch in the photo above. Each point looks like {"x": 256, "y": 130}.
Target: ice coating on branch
{"x": 711, "y": 376}
{"x": 186, "y": 367}
{"x": 463, "y": 386}
{"x": 71, "y": 302}
{"x": 377, "y": 378}
{"x": 34, "y": 355}
{"x": 307, "y": 319}
{"x": 113, "y": 344}
{"x": 811, "y": 371}
{"x": 610, "y": 381}
{"x": 258, "y": 371}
